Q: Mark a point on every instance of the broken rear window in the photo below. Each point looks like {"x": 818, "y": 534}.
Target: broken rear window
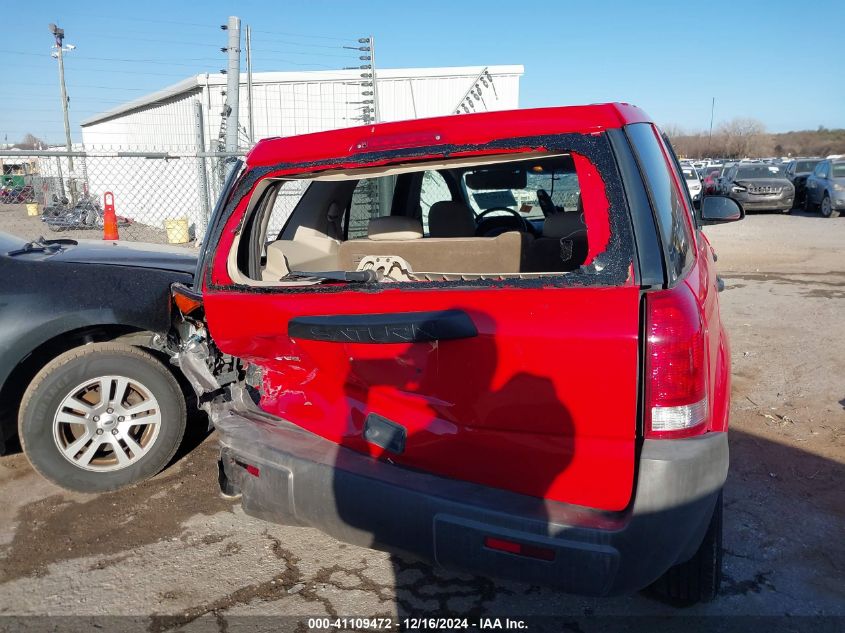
{"x": 555, "y": 212}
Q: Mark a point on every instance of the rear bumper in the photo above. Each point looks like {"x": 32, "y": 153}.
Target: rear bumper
{"x": 303, "y": 479}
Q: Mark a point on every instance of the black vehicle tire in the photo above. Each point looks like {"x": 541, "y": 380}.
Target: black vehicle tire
{"x": 69, "y": 388}
{"x": 698, "y": 579}
{"x": 808, "y": 206}
{"x": 826, "y": 208}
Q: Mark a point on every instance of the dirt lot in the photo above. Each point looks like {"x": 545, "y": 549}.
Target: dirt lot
{"x": 14, "y": 220}
{"x": 173, "y": 554}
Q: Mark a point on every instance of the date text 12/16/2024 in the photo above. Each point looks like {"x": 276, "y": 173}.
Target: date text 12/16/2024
{"x": 414, "y": 624}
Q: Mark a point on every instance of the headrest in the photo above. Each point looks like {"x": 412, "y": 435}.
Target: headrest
{"x": 394, "y": 227}
{"x": 450, "y": 219}
{"x": 564, "y": 225}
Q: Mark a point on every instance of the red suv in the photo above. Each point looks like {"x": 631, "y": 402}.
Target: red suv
{"x": 491, "y": 340}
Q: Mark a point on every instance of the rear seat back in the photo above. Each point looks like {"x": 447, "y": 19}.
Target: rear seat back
{"x": 472, "y": 255}
{"x": 308, "y": 250}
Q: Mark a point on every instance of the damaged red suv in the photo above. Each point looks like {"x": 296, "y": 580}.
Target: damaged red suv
{"x": 490, "y": 340}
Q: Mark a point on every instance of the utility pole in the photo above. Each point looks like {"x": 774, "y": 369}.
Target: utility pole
{"x": 376, "y": 110}
{"x": 59, "y": 35}
{"x": 370, "y": 112}
{"x": 233, "y": 85}
{"x": 249, "y": 82}
{"x": 710, "y": 136}
{"x": 199, "y": 143}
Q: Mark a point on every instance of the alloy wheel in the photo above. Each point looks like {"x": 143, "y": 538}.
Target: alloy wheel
{"x": 107, "y": 423}
{"x": 825, "y": 208}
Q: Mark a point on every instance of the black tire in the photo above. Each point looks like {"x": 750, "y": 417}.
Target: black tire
{"x": 698, "y": 579}
{"x": 808, "y": 206}
{"x": 47, "y": 391}
{"x": 831, "y": 212}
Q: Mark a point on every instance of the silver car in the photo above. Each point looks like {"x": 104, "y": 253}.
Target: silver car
{"x": 826, "y": 188}
{"x": 693, "y": 183}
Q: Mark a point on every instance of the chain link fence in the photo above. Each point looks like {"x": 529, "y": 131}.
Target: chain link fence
{"x": 160, "y": 197}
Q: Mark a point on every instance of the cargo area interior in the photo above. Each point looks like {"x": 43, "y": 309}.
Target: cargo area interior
{"x": 518, "y": 214}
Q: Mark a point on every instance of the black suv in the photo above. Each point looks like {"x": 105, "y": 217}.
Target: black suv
{"x": 759, "y": 187}
{"x": 797, "y": 171}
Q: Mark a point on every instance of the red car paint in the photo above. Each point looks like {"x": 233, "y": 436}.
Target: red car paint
{"x": 474, "y": 408}
{"x": 544, "y": 401}
{"x": 711, "y": 181}
{"x": 338, "y": 145}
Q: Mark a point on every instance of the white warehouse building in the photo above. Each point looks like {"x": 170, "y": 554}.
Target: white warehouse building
{"x": 283, "y": 104}
{"x": 289, "y": 103}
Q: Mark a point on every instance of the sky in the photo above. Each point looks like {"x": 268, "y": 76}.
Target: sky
{"x": 670, "y": 58}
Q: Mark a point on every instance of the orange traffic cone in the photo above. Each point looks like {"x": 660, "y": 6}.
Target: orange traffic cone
{"x": 109, "y": 217}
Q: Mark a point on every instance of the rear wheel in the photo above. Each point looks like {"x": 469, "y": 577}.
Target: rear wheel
{"x": 827, "y": 209}
{"x": 100, "y": 417}
{"x": 699, "y": 578}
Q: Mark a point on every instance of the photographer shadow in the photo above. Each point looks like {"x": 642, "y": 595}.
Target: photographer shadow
{"x": 474, "y": 420}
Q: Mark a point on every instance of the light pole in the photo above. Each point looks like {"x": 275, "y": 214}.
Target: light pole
{"x": 58, "y": 53}
{"x": 233, "y": 84}
{"x": 710, "y": 135}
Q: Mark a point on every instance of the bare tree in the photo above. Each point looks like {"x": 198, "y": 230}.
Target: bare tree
{"x": 743, "y": 137}
{"x": 30, "y": 141}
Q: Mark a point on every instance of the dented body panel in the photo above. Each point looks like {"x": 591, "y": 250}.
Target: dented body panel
{"x": 527, "y": 389}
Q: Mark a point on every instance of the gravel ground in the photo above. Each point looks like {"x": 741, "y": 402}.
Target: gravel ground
{"x": 14, "y": 220}
{"x": 174, "y": 555}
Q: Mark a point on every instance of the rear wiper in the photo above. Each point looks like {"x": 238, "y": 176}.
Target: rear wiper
{"x": 355, "y": 276}
{"x": 39, "y": 245}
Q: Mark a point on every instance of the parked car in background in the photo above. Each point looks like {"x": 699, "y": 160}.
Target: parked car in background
{"x": 758, "y": 187}
{"x": 710, "y": 180}
{"x": 797, "y": 171}
{"x": 85, "y": 382}
{"x": 825, "y": 189}
{"x": 693, "y": 183}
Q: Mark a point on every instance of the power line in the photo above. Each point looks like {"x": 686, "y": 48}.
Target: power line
{"x": 147, "y": 39}
{"x": 304, "y": 45}
{"x": 119, "y": 59}
{"x": 318, "y": 37}
{"x": 309, "y": 53}
{"x": 179, "y": 73}
{"x": 100, "y": 16}
{"x": 293, "y": 63}
{"x": 76, "y": 85}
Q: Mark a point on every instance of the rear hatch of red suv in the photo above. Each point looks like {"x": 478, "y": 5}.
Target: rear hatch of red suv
{"x": 517, "y": 371}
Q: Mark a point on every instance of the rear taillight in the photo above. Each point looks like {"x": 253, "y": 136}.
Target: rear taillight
{"x": 675, "y": 365}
